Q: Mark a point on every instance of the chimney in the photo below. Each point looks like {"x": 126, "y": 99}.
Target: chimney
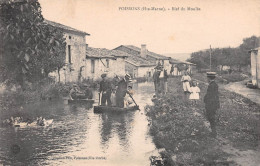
{"x": 143, "y": 50}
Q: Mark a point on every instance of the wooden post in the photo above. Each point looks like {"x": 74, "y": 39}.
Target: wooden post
{"x": 210, "y": 57}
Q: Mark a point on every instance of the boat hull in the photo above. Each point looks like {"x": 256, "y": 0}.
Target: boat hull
{"x": 101, "y": 109}
{"x": 81, "y": 101}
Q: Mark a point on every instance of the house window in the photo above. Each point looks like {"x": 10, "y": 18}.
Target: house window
{"x": 92, "y": 66}
{"x": 69, "y": 37}
{"x": 107, "y": 63}
{"x": 69, "y": 53}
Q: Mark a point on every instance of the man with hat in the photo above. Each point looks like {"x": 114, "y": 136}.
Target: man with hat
{"x": 211, "y": 100}
{"x": 156, "y": 79}
{"x": 161, "y": 80}
{"x": 122, "y": 90}
{"x": 105, "y": 90}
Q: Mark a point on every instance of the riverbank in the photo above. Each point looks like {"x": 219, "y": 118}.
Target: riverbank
{"x": 181, "y": 129}
{"x": 14, "y": 97}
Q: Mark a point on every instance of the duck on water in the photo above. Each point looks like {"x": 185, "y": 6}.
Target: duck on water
{"x": 19, "y": 122}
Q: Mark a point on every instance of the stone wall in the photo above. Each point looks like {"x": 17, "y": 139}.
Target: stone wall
{"x": 255, "y": 68}
{"x": 116, "y": 67}
{"x": 131, "y": 69}
{"x": 77, "y": 44}
{"x": 145, "y": 71}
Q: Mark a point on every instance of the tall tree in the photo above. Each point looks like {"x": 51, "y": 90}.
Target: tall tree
{"x": 29, "y": 47}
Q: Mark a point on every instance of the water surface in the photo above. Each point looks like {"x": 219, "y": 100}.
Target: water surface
{"x": 80, "y": 137}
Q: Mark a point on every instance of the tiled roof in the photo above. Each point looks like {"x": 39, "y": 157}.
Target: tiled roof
{"x": 98, "y": 53}
{"x": 64, "y": 27}
{"x": 149, "y": 53}
{"x": 104, "y": 53}
{"x": 118, "y": 53}
{"x": 139, "y": 61}
{"x": 175, "y": 61}
{"x": 255, "y": 49}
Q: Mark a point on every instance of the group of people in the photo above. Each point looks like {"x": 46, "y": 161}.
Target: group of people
{"x": 211, "y": 99}
{"x": 190, "y": 88}
{"x": 114, "y": 93}
{"x": 160, "y": 77}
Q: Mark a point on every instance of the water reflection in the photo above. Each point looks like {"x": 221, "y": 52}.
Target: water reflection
{"x": 122, "y": 139}
{"x": 119, "y": 124}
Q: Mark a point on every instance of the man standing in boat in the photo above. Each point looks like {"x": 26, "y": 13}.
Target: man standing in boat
{"x": 105, "y": 91}
{"x": 122, "y": 90}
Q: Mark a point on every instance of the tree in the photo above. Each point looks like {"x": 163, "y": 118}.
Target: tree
{"x": 238, "y": 56}
{"x": 30, "y": 49}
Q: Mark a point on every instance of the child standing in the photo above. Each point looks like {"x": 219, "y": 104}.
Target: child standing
{"x": 194, "y": 90}
{"x": 128, "y": 100}
{"x": 113, "y": 97}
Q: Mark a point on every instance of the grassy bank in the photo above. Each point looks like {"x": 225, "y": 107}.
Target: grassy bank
{"x": 179, "y": 126}
{"x": 223, "y": 78}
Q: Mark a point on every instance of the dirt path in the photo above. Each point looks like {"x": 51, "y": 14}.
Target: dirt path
{"x": 243, "y": 158}
{"x": 247, "y": 157}
{"x": 239, "y": 88}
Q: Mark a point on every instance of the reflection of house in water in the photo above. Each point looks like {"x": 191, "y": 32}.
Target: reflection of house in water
{"x": 75, "y": 52}
{"x": 141, "y": 62}
{"x": 101, "y": 60}
{"x": 255, "y": 67}
{"x": 179, "y": 67}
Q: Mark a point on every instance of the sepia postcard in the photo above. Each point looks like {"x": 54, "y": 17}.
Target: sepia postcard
{"x": 129, "y": 82}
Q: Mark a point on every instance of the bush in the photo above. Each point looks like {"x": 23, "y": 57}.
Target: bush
{"x": 234, "y": 77}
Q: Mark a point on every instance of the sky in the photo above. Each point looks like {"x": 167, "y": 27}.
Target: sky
{"x": 219, "y": 23}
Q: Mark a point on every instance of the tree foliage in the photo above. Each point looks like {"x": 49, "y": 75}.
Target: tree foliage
{"x": 30, "y": 48}
{"x": 237, "y": 57}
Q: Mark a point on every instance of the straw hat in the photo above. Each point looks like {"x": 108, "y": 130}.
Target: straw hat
{"x": 211, "y": 74}
{"x": 103, "y": 75}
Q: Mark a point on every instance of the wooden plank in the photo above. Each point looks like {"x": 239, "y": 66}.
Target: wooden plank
{"x": 101, "y": 109}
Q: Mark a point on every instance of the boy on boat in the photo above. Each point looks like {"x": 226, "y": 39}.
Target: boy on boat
{"x": 75, "y": 93}
{"x": 128, "y": 100}
{"x": 113, "y": 97}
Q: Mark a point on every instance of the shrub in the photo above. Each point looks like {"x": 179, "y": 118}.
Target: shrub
{"x": 234, "y": 77}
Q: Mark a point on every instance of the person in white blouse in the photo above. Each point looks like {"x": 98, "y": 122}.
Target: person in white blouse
{"x": 185, "y": 79}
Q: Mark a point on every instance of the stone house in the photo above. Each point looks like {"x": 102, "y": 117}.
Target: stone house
{"x": 101, "y": 60}
{"x": 75, "y": 53}
{"x": 255, "y": 67}
{"x": 141, "y": 62}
